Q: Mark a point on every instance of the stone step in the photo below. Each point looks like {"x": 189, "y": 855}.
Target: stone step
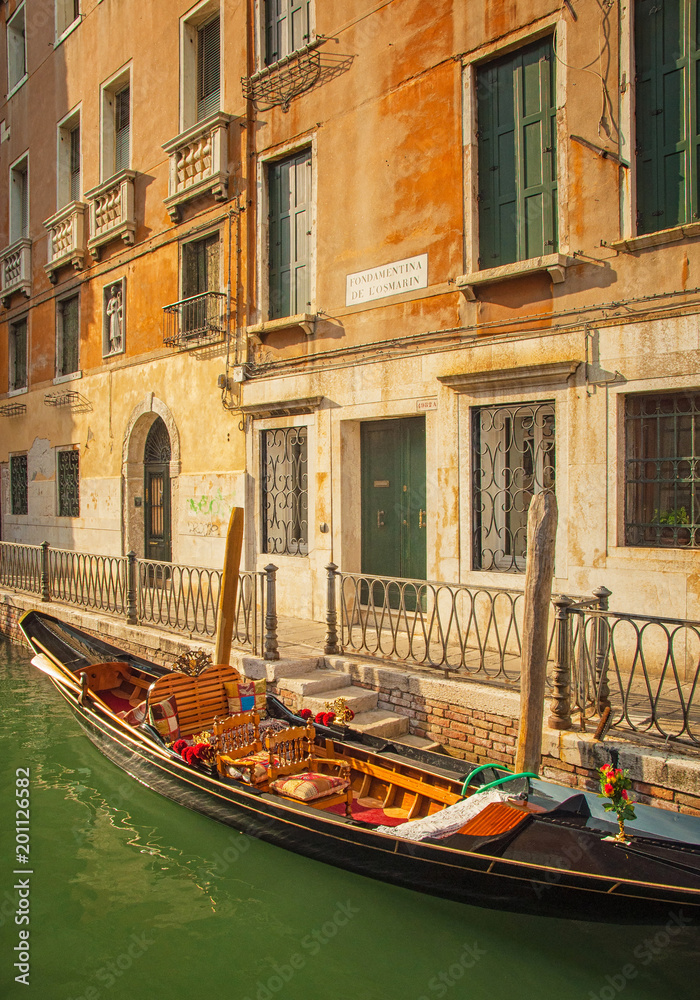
{"x": 312, "y": 683}
{"x": 358, "y": 699}
{"x": 380, "y": 723}
{"x": 419, "y": 742}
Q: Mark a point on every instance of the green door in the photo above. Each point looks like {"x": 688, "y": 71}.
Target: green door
{"x": 393, "y": 498}
{"x": 157, "y": 512}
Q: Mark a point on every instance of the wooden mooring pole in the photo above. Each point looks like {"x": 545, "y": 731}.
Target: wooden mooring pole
{"x": 541, "y": 535}
{"x": 229, "y": 587}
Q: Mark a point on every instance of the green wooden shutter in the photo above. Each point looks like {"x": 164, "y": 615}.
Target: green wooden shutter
{"x": 298, "y": 24}
{"x": 208, "y": 69}
{"x": 24, "y": 202}
{"x": 70, "y": 333}
{"x": 121, "y": 130}
{"x": 75, "y": 164}
{"x": 516, "y": 108}
{"x": 287, "y": 27}
{"x": 290, "y": 222}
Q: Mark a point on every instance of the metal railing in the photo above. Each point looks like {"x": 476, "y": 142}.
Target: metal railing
{"x": 646, "y": 669}
{"x": 195, "y": 320}
{"x": 167, "y": 595}
{"x": 464, "y": 631}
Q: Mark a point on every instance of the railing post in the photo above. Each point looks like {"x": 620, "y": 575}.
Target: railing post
{"x": 331, "y": 647}
{"x": 131, "y": 609}
{"x": 560, "y": 706}
{"x": 45, "y": 573}
{"x": 601, "y": 652}
{"x": 271, "y": 651}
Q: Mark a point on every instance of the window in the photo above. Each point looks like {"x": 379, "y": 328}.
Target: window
{"x": 516, "y": 109}
{"x": 200, "y": 60}
{"x": 19, "y": 201}
{"x": 67, "y": 12}
{"x": 289, "y": 184}
{"x": 202, "y": 303}
{"x": 16, "y": 50}
{"x": 667, "y": 126}
{"x": 68, "y": 483}
{"x": 69, "y": 187}
{"x": 67, "y": 336}
{"x": 513, "y": 459}
{"x": 116, "y": 126}
{"x": 285, "y": 498}
{"x": 287, "y": 27}
{"x": 662, "y": 470}
{"x": 18, "y": 483}
{"x": 18, "y": 355}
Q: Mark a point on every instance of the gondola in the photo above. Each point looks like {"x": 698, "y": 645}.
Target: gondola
{"x": 404, "y": 816}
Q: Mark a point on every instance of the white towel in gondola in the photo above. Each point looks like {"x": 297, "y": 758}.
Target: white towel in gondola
{"x": 447, "y": 821}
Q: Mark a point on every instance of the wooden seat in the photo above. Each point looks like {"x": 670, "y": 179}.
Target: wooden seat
{"x": 235, "y": 738}
{"x": 291, "y": 752}
{"x": 200, "y": 700}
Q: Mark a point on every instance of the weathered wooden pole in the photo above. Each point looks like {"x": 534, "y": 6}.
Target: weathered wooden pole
{"x": 541, "y": 535}
{"x": 229, "y": 587}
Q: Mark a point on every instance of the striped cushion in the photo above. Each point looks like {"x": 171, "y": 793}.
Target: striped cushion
{"x": 309, "y": 786}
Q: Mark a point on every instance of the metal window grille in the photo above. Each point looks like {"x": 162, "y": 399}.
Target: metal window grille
{"x": 69, "y": 484}
{"x": 513, "y": 459}
{"x": 208, "y": 69}
{"x": 662, "y": 470}
{"x": 121, "y": 129}
{"x": 18, "y": 483}
{"x": 285, "y": 497}
{"x": 75, "y": 164}
{"x": 18, "y": 355}
{"x": 69, "y": 335}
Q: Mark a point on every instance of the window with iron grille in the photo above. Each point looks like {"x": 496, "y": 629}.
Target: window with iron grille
{"x": 517, "y": 161}
{"x": 69, "y": 483}
{"x": 67, "y": 335}
{"x": 200, "y": 311}
{"x": 285, "y": 497}
{"x": 513, "y": 459}
{"x": 208, "y": 69}
{"x": 662, "y": 470}
{"x": 18, "y": 355}
{"x": 18, "y": 483}
{"x": 287, "y": 27}
{"x": 16, "y": 48}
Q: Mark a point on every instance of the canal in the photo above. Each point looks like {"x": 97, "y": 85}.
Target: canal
{"x": 131, "y": 896}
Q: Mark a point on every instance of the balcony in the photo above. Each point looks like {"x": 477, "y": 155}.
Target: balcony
{"x": 112, "y": 211}
{"x": 16, "y": 270}
{"x": 198, "y": 164}
{"x": 195, "y": 321}
{"x": 67, "y": 234}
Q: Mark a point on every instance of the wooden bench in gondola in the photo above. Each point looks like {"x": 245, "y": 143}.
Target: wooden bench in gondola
{"x": 200, "y": 700}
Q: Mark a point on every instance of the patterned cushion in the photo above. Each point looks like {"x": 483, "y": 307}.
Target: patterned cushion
{"x": 136, "y": 715}
{"x": 253, "y": 767}
{"x": 246, "y": 696}
{"x": 164, "y": 718}
{"x": 309, "y": 786}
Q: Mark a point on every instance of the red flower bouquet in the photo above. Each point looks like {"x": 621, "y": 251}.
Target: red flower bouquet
{"x": 614, "y": 785}
{"x": 305, "y": 714}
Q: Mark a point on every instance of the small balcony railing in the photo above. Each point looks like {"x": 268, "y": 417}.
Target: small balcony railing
{"x": 112, "y": 211}
{"x": 16, "y": 269}
{"x": 198, "y": 163}
{"x": 67, "y": 236}
{"x": 199, "y": 319}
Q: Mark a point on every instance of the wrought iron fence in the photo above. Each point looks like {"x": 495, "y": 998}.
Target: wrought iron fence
{"x": 168, "y": 595}
{"x": 21, "y": 566}
{"x": 465, "y": 631}
{"x": 645, "y": 669}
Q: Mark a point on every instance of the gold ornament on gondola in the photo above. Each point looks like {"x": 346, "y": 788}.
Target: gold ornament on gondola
{"x": 343, "y": 714}
{"x": 192, "y": 662}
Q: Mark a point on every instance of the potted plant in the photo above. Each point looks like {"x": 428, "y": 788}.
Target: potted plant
{"x": 614, "y": 786}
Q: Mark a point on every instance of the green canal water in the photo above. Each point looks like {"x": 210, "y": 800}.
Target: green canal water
{"x": 132, "y": 896}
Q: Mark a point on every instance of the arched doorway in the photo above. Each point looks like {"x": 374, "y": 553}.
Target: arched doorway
{"x": 156, "y": 493}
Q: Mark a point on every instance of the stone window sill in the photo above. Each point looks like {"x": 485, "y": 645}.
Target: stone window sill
{"x": 307, "y": 322}
{"x": 71, "y": 377}
{"x": 554, "y": 264}
{"x": 689, "y": 230}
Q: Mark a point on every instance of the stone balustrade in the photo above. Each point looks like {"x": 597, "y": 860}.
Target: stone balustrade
{"x": 16, "y": 270}
{"x": 198, "y": 163}
{"x": 67, "y": 235}
{"x": 112, "y": 211}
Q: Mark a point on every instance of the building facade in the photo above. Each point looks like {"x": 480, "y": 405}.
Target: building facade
{"x": 378, "y": 272}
